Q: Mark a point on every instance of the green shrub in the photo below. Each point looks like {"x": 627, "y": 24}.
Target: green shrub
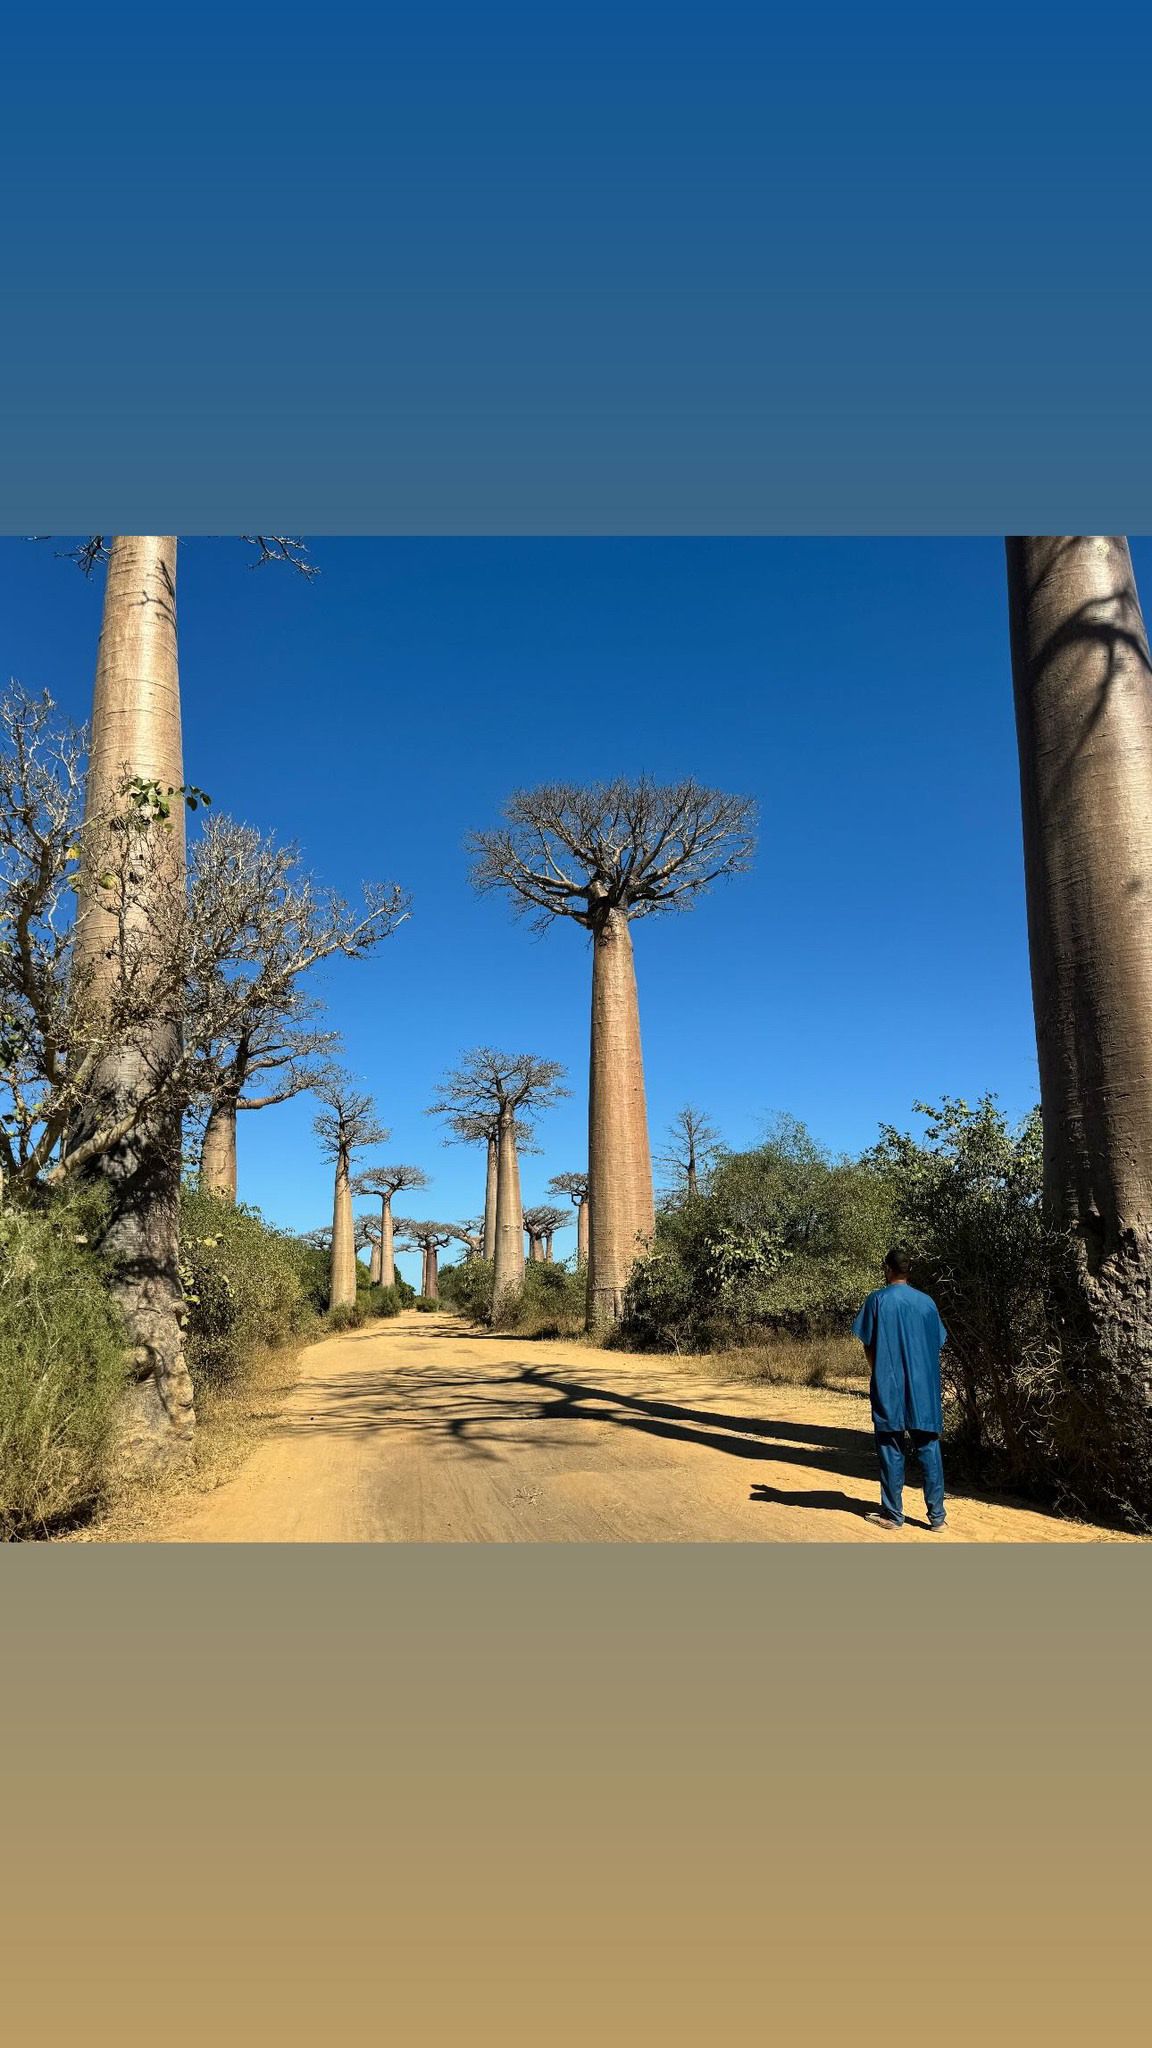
{"x": 551, "y": 1302}
{"x": 968, "y": 1203}
{"x": 62, "y": 1369}
{"x": 783, "y": 1240}
{"x": 347, "y": 1315}
{"x": 467, "y": 1288}
{"x": 245, "y": 1285}
{"x": 376, "y": 1302}
{"x": 314, "y": 1273}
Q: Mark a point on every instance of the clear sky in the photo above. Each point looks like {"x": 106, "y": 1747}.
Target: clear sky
{"x": 859, "y": 690}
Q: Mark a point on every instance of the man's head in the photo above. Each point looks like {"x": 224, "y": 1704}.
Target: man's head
{"x": 897, "y": 1264}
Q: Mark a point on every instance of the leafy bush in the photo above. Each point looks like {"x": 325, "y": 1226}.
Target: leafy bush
{"x": 467, "y": 1288}
{"x": 783, "y": 1240}
{"x": 968, "y": 1202}
{"x": 62, "y": 1369}
{"x": 551, "y": 1302}
{"x": 376, "y": 1302}
{"x": 245, "y": 1285}
{"x": 347, "y": 1315}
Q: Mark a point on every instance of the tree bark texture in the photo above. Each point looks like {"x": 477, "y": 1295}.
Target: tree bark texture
{"x": 490, "y": 1200}
{"x": 342, "y": 1281}
{"x": 620, "y": 1198}
{"x": 1083, "y": 691}
{"x": 136, "y": 732}
{"x": 374, "y": 1264}
{"x": 387, "y": 1244}
{"x": 218, "y": 1152}
{"x": 582, "y": 1234}
{"x": 508, "y": 1258}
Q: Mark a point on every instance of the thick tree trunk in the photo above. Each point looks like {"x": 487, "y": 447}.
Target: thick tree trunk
{"x": 342, "y": 1269}
{"x": 548, "y": 1249}
{"x": 374, "y": 1264}
{"x": 432, "y": 1274}
{"x": 582, "y": 1234}
{"x": 535, "y": 1249}
{"x": 490, "y": 1201}
{"x": 136, "y": 732}
{"x": 620, "y": 1198}
{"x": 387, "y": 1244}
{"x": 218, "y": 1152}
{"x": 1083, "y": 688}
{"x": 508, "y": 1256}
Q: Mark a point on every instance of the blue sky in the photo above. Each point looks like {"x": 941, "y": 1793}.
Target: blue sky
{"x": 858, "y": 689}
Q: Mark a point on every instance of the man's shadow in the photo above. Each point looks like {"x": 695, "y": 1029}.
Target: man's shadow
{"x": 838, "y": 1503}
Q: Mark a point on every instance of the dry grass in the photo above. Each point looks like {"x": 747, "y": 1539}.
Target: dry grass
{"x": 835, "y": 1363}
{"x": 230, "y": 1423}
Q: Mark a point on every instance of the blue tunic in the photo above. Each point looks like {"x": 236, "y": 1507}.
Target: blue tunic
{"x": 905, "y": 1327}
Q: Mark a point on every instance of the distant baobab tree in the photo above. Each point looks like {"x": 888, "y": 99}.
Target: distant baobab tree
{"x": 471, "y": 1235}
{"x": 1083, "y": 688}
{"x": 692, "y": 1146}
{"x": 266, "y": 1048}
{"x": 136, "y": 760}
{"x": 575, "y": 1186}
{"x": 345, "y": 1126}
{"x": 386, "y": 1182}
{"x": 540, "y": 1227}
{"x": 510, "y": 1088}
{"x": 482, "y": 1127}
{"x": 605, "y": 856}
{"x": 430, "y": 1240}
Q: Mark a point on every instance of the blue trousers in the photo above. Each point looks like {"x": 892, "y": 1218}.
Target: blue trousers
{"x": 890, "y": 1451}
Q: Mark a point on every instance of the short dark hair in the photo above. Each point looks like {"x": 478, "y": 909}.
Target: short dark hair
{"x": 898, "y": 1261}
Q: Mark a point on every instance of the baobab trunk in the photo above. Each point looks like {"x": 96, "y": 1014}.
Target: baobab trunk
{"x": 432, "y": 1277}
{"x": 387, "y": 1244}
{"x": 620, "y": 1199}
{"x": 218, "y": 1152}
{"x": 490, "y": 1200}
{"x": 136, "y": 733}
{"x": 508, "y": 1256}
{"x": 374, "y": 1264}
{"x": 582, "y": 1234}
{"x": 1083, "y": 688}
{"x": 342, "y": 1281}
{"x": 536, "y": 1248}
{"x": 548, "y": 1248}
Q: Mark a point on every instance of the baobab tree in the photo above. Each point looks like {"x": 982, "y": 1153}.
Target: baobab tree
{"x": 471, "y": 1235}
{"x": 575, "y": 1186}
{"x": 604, "y": 857}
{"x": 430, "y": 1240}
{"x": 540, "y": 1226}
{"x": 692, "y": 1146}
{"x": 1083, "y": 690}
{"x": 386, "y": 1182}
{"x": 509, "y": 1088}
{"x": 481, "y": 1127}
{"x": 135, "y": 765}
{"x": 345, "y": 1126}
{"x": 279, "y": 925}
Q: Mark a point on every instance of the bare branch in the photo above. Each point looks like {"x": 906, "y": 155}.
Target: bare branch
{"x": 280, "y": 547}
{"x": 635, "y": 847}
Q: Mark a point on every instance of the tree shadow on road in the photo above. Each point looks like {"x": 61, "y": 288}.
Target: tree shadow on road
{"x": 515, "y": 1406}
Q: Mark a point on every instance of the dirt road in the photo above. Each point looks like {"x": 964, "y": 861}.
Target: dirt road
{"x": 418, "y": 1430}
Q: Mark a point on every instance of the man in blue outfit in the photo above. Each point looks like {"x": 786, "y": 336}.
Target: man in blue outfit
{"x": 902, "y": 1333}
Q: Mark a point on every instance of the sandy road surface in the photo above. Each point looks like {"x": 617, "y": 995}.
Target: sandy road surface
{"x": 418, "y": 1430}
